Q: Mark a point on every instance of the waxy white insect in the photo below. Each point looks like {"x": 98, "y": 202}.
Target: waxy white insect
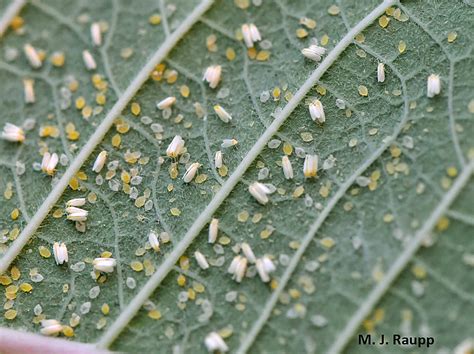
{"x": 314, "y": 52}
{"x": 60, "y": 253}
{"x": 166, "y": 103}
{"x": 176, "y": 147}
{"x": 105, "y": 265}
{"x": 251, "y": 34}
{"x": 433, "y": 85}
{"x": 222, "y": 114}
{"x": 214, "y": 342}
{"x": 233, "y": 264}
{"x": 260, "y": 192}
{"x": 265, "y": 266}
{"x": 218, "y": 160}
{"x": 287, "y": 168}
{"x": 76, "y": 214}
{"x": 316, "y": 111}
{"x": 237, "y": 268}
{"x": 153, "y": 240}
{"x": 99, "y": 161}
{"x": 96, "y": 34}
{"x": 310, "y": 167}
{"x": 51, "y": 327}
{"x": 13, "y": 133}
{"x": 212, "y": 75}
{"x": 213, "y": 230}
{"x": 49, "y": 163}
{"x": 381, "y": 72}
{"x": 89, "y": 60}
{"x": 247, "y": 250}
{"x": 191, "y": 172}
{"x": 227, "y": 143}
{"x": 32, "y": 56}
{"x": 76, "y": 202}
{"x": 201, "y": 260}
{"x": 29, "y": 90}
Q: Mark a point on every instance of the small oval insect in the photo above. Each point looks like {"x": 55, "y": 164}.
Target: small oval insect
{"x": 381, "y": 72}
{"x": 49, "y": 163}
{"x": 60, "y": 253}
{"x": 105, "y": 265}
{"x": 222, "y": 114}
{"x": 76, "y": 202}
{"x": 310, "y": 168}
{"x": 191, "y": 172}
{"x": 316, "y": 110}
{"x": 248, "y": 252}
{"x": 287, "y": 167}
{"x": 176, "y": 147}
{"x": 314, "y": 52}
{"x": 214, "y": 342}
{"x": 260, "y": 192}
{"x": 201, "y": 260}
{"x": 433, "y": 85}
{"x": 166, "y": 103}
{"x": 76, "y": 214}
{"x": 153, "y": 240}
{"x": 99, "y": 162}
{"x": 227, "y": 143}
{"x": 212, "y": 75}
{"x": 250, "y": 34}
{"x": 13, "y": 133}
{"x": 32, "y": 56}
{"x": 29, "y": 90}
{"x": 51, "y": 327}
{"x": 96, "y": 34}
{"x": 89, "y": 60}
{"x": 218, "y": 159}
{"x": 213, "y": 230}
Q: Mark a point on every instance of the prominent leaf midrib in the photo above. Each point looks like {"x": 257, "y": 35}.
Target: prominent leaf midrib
{"x": 135, "y": 304}
{"x": 12, "y": 10}
{"x": 99, "y": 133}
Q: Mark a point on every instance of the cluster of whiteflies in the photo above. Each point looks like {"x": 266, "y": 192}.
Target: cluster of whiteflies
{"x": 238, "y": 266}
{"x": 73, "y": 211}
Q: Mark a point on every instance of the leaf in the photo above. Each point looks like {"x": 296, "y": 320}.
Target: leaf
{"x": 339, "y": 245}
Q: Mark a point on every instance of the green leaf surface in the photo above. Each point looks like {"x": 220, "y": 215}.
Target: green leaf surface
{"x": 393, "y": 256}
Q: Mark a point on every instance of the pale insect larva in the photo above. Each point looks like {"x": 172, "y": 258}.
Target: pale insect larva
{"x": 99, "y": 162}
{"x": 60, "y": 253}
{"x": 310, "y": 168}
{"x": 76, "y": 214}
{"x": 201, "y": 260}
{"x": 316, "y": 111}
{"x": 381, "y": 72}
{"x": 260, "y": 192}
{"x": 222, "y": 114}
{"x": 191, "y": 172}
{"x": 76, "y": 202}
{"x": 212, "y": 75}
{"x": 314, "y": 52}
{"x": 13, "y": 133}
{"x": 32, "y": 56}
{"x": 166, "y": 103}
{"x": 89, "y": 60}
{"x": 176, "y": 147}
{"x": 250, "y": 34}
{"x": 29, "y": 90}
{"x": 96, "y": 34}
{"x": 218, "y": 160}
{"x": 51, "y": 327}
{"x": 247, "y": 250}
{"x": 105, "y": 265}
{"x": 433, "y": 85}
{"x": 287, "y": 168}
{"x": 153, "y": 240}
{"x": 213, "y": 230}
{"x": 226, "y": 143}
{"x": 214, "y": 342}
{"x": 49, "y": 163}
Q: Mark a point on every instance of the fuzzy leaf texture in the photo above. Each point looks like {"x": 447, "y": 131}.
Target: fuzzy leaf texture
{"x": 379, "y": 242}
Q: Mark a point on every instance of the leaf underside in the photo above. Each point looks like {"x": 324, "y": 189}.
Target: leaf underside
{"x": 366, "y": 230}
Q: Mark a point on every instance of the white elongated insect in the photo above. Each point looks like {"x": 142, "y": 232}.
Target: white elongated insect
{"x": 153, "y": 240}
{"x": 240, "y": 270}
{"x": 260, "y": 192}
{"x": 201, "y": 260}
{"x": 268, "y": 264}
{"x": 89, "y": 60}
{"x": 310, "y": 167}
{"x": 29, "y": 90}
{"x": 49, "y": 163}
{"x": 191, "y": 172}
{"x": 214, "y": 342}
{"x": 314, "y": 52}
{"x": 247, "y": 250}
{"x": 213, "y": 230}
{"x": 166, "y": 103}
{"x": 218, "y": 160}
{"x": 76, "y": 214}
{"x": 105, "y": 265}
{"x": 233, "y": 265}
{"x": 287, "y": 168}
{"x": 222, "y": 114}
{"x": 96, "y": 34}
{"x": 60, "y": 253}
{"x": 176, "y": 147}
{"x": 251, "y": 34}
{"x": 381, "y": 72}
{"x": 99, "y": 161}
{"x": 50, "y": 327}
{"x": 316, "y": 110}
{"x": 433, "y": 85}
{"x": 227, "y": 143}
{"x": 76, "y": 202}
{"x": 264, "y": 267}
{"x": 13, "y": 133}
{"x": 32, "y": 56}
{"x": 212, "y": 75}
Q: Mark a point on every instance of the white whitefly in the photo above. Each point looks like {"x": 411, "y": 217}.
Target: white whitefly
{"x": 60, "y": 253}
{"x": 314, "y": 52}
{"x": 218, "y": 159}
{"x": 248, "y": 252}
{"x": 212, "y": 75}
{"x": 222, "y": 114}
{"x": 29, "y": 90}
{"x": 287, "y": 168}
{"x": 310, "y": 167}
{"x": 201, "y": 260}
{"x": 176, "y": 147}
{"x": 191, "y": 172}
{"x": 32, "y": 56}
{"x": 260, "y": 192}
{"x": 433, "y": 85}
{"x": 214, "y": 342}
{"x": 105, "y": 265}
{"x": 213, "y": 230}
{"x": 380, "y": 72}
{"x": 166, "y": 103}
{"x": 89, "y": 60}
{"x": 96, "y": 34}
{"x": 13, "y": 133}
{"x": 316, "y": 110}
{"x": 99, "y": 161}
